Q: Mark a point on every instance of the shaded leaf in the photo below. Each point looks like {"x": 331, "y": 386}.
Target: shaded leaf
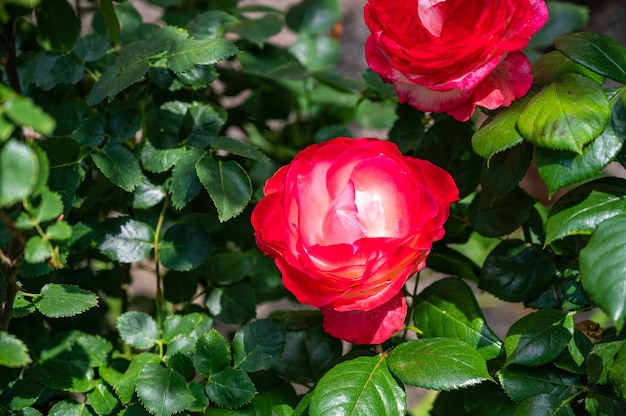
{"x": 58, "y": 301}
{"x": 58, "y": 26}
{"x": 502, "y": 216}
{"x": 186, "y": 53}
{"x": 119, "y": 165}
{"x": 212, "y": 354}
{"x": 184, "y": 247}
{"x": 138, "y": 329}
{"x": 520, "y": 382}
{"x": 258, "y": 345}
{"x": 230, "y": 388}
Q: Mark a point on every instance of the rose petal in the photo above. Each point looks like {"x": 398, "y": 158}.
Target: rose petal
{"x": 510, "y": 80}
{"x": 367, "y": 327}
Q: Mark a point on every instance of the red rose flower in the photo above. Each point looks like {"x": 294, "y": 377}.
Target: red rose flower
{"x": 348, "y": 222}
{"x": 452, "y": 55}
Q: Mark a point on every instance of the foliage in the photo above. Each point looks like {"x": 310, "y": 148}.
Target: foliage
{"x": 131, "y": 154}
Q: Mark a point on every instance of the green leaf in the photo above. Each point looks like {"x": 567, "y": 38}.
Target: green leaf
{"x": 124, "y": 124}
{"x": 201, "y": 124}
{"x": 181, "y": 332}
{"x": 125, "y": 386}
{"x": 91, "y": 47}
{"x": 159, "y": 160}
{"x": 362, "y": 386}
{"x": 539, "y": 337}
{"x": 70, "y": 407}
{"x": 602, "y": 267}
{"x": 232, "y": 304}
{"x": 90, "y": 131}
{"x": 600, "y": 405}
{"x": 573, "y": 357}
{"x": 186, "y": 53}
{"x": 66, "y": 173}
{"x": 46, "y": 206}
{"x": 212, "y": 354}
{"x": 560, "y": 168}
{"x": 71, "y": 376}
{"x": 93, "y": 348}
{"x": 517, "y": 272}
{"x": 60, "y": 301}
{"x": 180, "y": 287}
{"x": 147, "y": 195}
{"x": 313, "y": 16}
{"x": 499, "y": 132}
{"x": 230, "y": 388}
{"x": 228, "y": 185}
{"x": 19, "y": 170}
{"x": 138, "y": 329}
{"x": 103, "y": 400}
{"x": 37, "y": 250}
{"x": 67, "y": 70}
{"x": 448, "y": 308}
{"x": 209, "y": 24}
{"x": 59, "y": 231}
{"x": 446, "y": 260}
{"x": 23, "y": 112}
{"x": 58, "y": 25}
{"x": 119, "y": 165}
{"x": 600, "y": 360}
{"x": 505, "y": 170}
{"x": 566, "y": 114}
{"x": 184, "y": 247}
{"x": 565, "y": 17}
{"x": 438, "y": 364}
{"x": 273, "y": 62}
{"x": 162, "y": 390}
{"x": 239, "y": 148}
{"x": 111, "y": 21}
{"x": 520, "y": 382}
{"x": 486, "y": 399}
{"x": 598, "y": 52}
{"x": 258, "y": 345}
{"x": 185, "y": 184}
{"x": 13, "y": 352}
{"x": 582, "y": 209}
{"x": 502, "y": 216}
{"x": 553, "y": 65}
{"x": 228, "y": 267}
{"x": 127, "y": 240}
{"x": 543, "y": 405}
{"x": 258, "y": 30}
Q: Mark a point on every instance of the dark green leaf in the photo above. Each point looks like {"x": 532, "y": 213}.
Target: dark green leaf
{"x": 162, "y": 390}
{"x": 600, "y": 360}
{"x": 232, "y": 304}
{"x": 19, "y": 170}
{"x": 59, "y": 301}
{"x": 13, "y": 352}
{"x": 200, "y": 125}
{"x": 46, "y": 206}
{"x": 93, "y": 348}
{"x": 127, "y": 240}
{"x": 230, "y": 388}
{"x": 448, "y": 308}
{"x": 72, "y": 376}
{"x": 258, "y": 345}
{"x": 502, "y": 216}
{"x": 239, "y": 148}
{"x": 181, "y": 332}
{"x": 313, "y": 16}
{"x": 111, "y": 21}
{"x": 561, "y": 168}
{"x": 90, "y": 131}
{"x": 520, "y": 382}
{"x": 138, "y": 329}
{"x": 124, "y": 124}
{"x": 362, "y": 386}
{"x": 67, "y": 70}
{"x": 582, "y": 209}
{"x": 184, "y": 247}
{"x": 22, "y": 393}
{"x": 602, "y": 267}
{"x": 125, "y": 386}
{"x": 258, "y": 30}
{"x": 186, "y": 53}
{"x": 597, "y": 52}
{"x": 58, "y": 25}
{"x": 147, "y": 195}
{"x": 103, "y": 400}
{"x": 446, "y": 260}
{"x": 209, "y": 24}
{"x": 91, "y": 47}
{"x": 566, "y": 114}
{"x": 488, "y": 399}
{"x": 573, "y": 357}
{"x": 228, "y": 267}
{"x": 160, "y": 160}
{"x": 538, "y": 338}
{"x": 185, "y": 184}
{"x": 438, "y": 364}
{"x": 505, "y": 170}
{"x": 212, "y": 354}
{"x": 70, "y": 407}
{"x": 66, "y": 174}
{"x": 119, "y": 165}
{"x": 273, "y": 62}
{"x": 228, "y": 185}
{"x": 553, "y": 65}
{"x": 517, "y": 272}
{"x": 543, "y": 405}
{"x": 600, "y": 405}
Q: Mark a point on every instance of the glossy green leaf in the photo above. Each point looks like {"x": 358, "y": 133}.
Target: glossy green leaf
{"x": 124, "y": 124}
{"x": 212, "y": 354}
{"x": 162, "y": 390}
{"x": 502, "y": 216}
{"x": 59, "y": 301}
{"x": 230, "y": 388}
{"x": 363, "y": 386}
{"x": 228, "y": 185}
{"x": 239, "y": 148}
{"x": 539, "y": 337}
{"x": 499, "y": 132}
{"x": 58, "y": 25}
{"x": 232, "y": 304}
{"x": 597, "y": 52}
{"x": 127, "y": 240}
{"x": 501, "y": 174}
{"x": 160, "y": 160}
{"x": 516, "y": 271}
{"x": 92, "y": 349}
{"x": 553, "y": 65}
{"x": 13, "y": 351}
{"x": 566, "y": 114}
{"x": 488, "y": 399}
{"x": 600, "y": 360}
{"x": 22, "y": 111}
{"x": 125, "y": 386}
{"x": 561, "y": 168}
{"x": 181, "y": 332}
{"x": 313, "y": 16}
{"x": 543, "y": 405}
{"x": 19, "y": 171}
{"x": 185, "y": 184}
{"x": 69, "y": 407}
{"x": 186, "y": 53}
{"x": 103, "y": 400}
{"x": 520, "y": 382}
{"x": 119, "y": 165}
{"x": 147, "y": 195}
{"x": 600, "y": 405}
{"x": 448, "y": 308}
{"x": 184, "y": 247}
{"x": 259, "y": 30}
{"x": 258, "y": 345}
{"x": 201, "y": 124}
{"x": 65, "y": 375}
{"x": 582, "y": 209}
{"x": 446, "y": 260}
{"x": 602, "y": 267}
{"x": 138, "y": 329}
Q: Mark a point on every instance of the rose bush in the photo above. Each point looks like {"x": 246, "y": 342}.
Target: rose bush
{"x": 452, "y": 55}
{"x": 347, "y": 222}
